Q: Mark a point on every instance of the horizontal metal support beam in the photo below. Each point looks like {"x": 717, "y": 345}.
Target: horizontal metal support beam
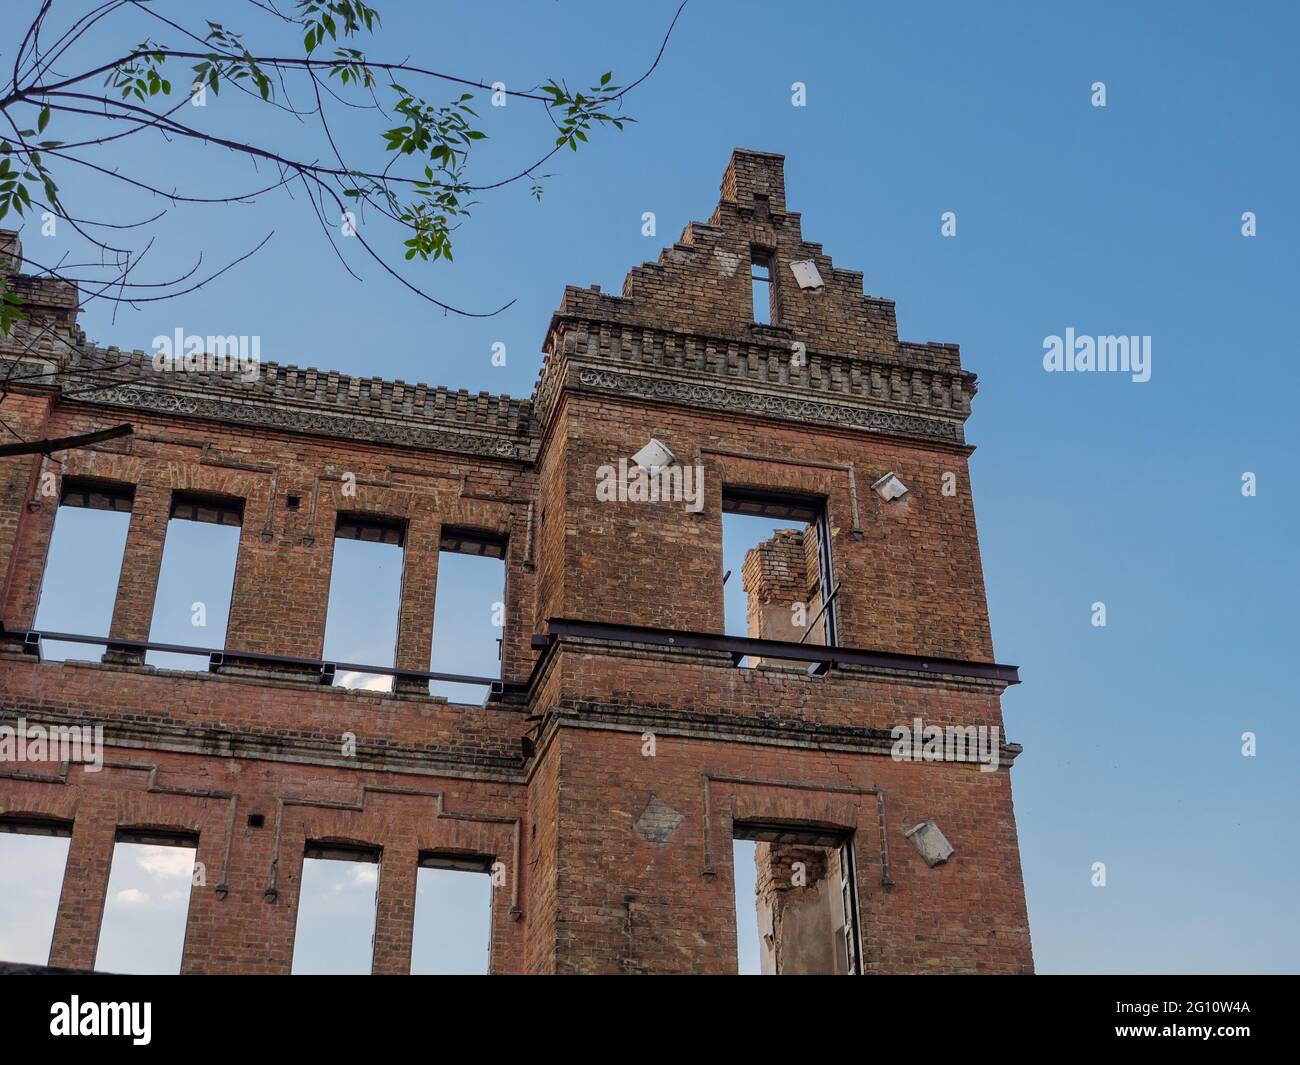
{"x": 31, "y": 639}
{"x": 822, "y": 657}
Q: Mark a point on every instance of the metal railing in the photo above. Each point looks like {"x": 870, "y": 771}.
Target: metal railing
{"x": 32, "y": 638}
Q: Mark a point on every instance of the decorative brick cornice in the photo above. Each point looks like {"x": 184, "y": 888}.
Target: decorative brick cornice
{"x": 377, "y": 429}
{"x": 788, "y": 407}
{"x": 288, "y": 399}
{"x": 758, "y": 378}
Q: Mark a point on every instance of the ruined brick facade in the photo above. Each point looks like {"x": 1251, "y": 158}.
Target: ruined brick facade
{"x": 615, "y": 861}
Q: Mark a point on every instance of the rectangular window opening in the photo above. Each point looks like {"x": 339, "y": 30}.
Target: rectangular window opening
{"x": 83, "y": 565}
{"x": 147, "y": 904}
{"x": 33, "y": 857}
{"x": 365, "y": 598}
{"x": 776, "y": 564}
{"x": 762, "y": 285}
{"x": 796, "y": 901}
{"x": 196, "y": 578}
{"x": 453, "y": 915}
{"x": 337, "y": 900}
{"x": 468, "y": 612}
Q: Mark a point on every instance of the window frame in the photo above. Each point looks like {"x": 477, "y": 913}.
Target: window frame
{"x": 833, "y": 838}
{"x": 477, "y": 543}
{"x": 764, "y": 259}
{"x": 793, "y": 506}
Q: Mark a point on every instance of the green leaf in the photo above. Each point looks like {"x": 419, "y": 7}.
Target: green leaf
{"x": 44, "y": 120}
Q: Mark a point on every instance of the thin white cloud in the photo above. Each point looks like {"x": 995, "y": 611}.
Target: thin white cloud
{"x": 364, "y": 681}
{"x": 166, "y": 862}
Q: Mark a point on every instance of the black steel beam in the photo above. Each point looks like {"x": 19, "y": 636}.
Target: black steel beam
{"x": 32, "y": 638}
{"x": 743, "y": 646}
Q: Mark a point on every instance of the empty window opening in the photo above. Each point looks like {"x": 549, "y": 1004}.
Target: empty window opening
{"x": 82, "y": 567}
{"x": 147, "y": 903}
{"x": 780, "y": 549}
{"x": 762, "y": 285}
{"x": 748, "y": 938}
{"x": 197, "y": 576}
{"x": 365, "y": 596}
{"x": 336, "y": 910}
{"x": 33, "y": 856}
{"x": 796, "y": 901}
{"x": 469, "y": 612}
{"x": 453, "y": 916}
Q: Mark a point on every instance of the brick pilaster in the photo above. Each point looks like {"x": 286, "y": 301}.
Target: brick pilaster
{"x": 85, "y": 884}
{"x": 419, "y": 587}
{"x": 137, "y": 585}
{"x": 395, "y": 911}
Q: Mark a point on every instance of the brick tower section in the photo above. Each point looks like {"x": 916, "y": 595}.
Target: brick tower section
{"x": 775, "y": 581}
{"x": 626, "y": 746}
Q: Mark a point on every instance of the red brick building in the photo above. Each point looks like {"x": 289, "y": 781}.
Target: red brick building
{"x": 624, "y": 748}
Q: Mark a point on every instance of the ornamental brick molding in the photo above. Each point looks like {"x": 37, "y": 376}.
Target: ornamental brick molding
{"x": 793, "y": 408}
{"x": 384, "y": 430}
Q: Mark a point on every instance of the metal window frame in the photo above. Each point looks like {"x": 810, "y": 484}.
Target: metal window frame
{"x": 827, "y": 589}
{"x": 761, "y": 258}
{"x": 850, "y": 907}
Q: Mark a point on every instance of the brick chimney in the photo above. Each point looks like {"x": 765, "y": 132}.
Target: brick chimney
{"x": 755, "y": 178}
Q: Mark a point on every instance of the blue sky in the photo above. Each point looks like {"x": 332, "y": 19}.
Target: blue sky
{"x": 1117, "y": 220}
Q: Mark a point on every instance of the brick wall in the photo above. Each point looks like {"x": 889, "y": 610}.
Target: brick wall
{"x": 607, "y": 773}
